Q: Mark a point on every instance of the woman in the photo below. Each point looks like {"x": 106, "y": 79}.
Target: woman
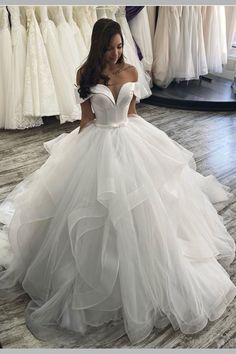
{"x": 117, "y": 223}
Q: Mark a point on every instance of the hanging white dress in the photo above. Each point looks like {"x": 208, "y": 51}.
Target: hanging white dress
{"x": 111, "y": 12}
{"x": 175, "y": 15}
{"x": 131, "y": 56}
{"x": 39, "y": 91}
{"x": 69, "y": 109}
{"x": 121, "y": 18}
{"x": 69, "y": 49}
{"x": 89, "y": 14}
{"x": 23, "y": 18}
{"x": 151, "y": 12}
{"x": 185, "y": 69}
{"x": 117, "y": 224}
{"x": 161, "y": 53}
{"x": 223, "y": 37}
{"x": 140, "y": 30}
{"x": 93, "y": 15}
{"x": 101, "y": 13}
{"x": 198, "y": 47}
{"x": 5, "y": 63}
{"x": 230, "y": 19}
{"x": 15, "y": 119}
{"x": 192, "y": 54}
{"x": 212, "y": 38}
{"x": 80, "y": 15}
{"x": 83, "y": 52}
{"x": 179, "y": 51}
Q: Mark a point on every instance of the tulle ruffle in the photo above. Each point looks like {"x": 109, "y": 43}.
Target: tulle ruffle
{"x": 117, "y": 223}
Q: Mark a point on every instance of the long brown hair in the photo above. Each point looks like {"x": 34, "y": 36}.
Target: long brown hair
{"x": 90, "y": 72}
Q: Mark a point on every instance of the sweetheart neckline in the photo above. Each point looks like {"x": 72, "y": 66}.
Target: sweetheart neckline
{"x": 116, "y": 99}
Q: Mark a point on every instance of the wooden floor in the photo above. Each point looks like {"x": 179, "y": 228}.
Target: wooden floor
{"x": 212, "y": 138}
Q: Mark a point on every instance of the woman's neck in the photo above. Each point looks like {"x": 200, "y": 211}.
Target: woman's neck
{"x": 112, "y": 68}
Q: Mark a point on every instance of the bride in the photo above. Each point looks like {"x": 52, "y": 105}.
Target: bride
{"x": 116, "y": 223}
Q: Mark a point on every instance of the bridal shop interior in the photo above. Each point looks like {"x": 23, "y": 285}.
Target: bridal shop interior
{"x": 185, "y": 57}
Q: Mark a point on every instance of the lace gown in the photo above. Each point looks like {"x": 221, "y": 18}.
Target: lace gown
{"x": 40, "y": 97}
{"x": 117, "y": 223}
{"x": 69, "y": 109}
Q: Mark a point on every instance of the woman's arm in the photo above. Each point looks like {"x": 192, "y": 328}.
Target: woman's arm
{"x": 87, "y": 114}
{"x": 132, "y": 107}
{"x": 133, "y": 76}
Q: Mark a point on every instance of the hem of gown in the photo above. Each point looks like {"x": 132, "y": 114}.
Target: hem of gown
{"x": 217, "y": 310}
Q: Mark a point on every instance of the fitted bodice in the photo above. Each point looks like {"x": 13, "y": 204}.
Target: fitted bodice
{"x": 111, "y": 111}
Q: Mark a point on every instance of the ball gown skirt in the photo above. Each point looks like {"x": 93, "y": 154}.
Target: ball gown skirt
{"x": 117, "y": 224}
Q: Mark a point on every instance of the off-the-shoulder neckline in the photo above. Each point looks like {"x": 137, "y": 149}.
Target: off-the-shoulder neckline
{"x": 121, "y": 86}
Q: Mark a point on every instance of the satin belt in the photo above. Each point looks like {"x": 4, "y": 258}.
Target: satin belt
{"x": 114, "y": 125}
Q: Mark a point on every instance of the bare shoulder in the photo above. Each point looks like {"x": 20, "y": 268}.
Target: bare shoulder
{"x": 130, "y": 72}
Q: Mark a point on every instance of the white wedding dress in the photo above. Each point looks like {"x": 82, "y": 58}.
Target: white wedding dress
{"x": 101, "y": 13}
{"x": 130, "y": 53}
{"x": 140, "y": 30}
{"x": 80, "y": 14}
{"x": 151, "y": 12}
{"x": 92, "y": 15}
{"x": 69, "y": 50}
{"x": 40, "y": 97}
{"x": 117, "y": 223}
{"x": 83, "y": 52}
{"x": 198, "y": 47}
{"x": 5, "y": 63}
{"x": 15, "y": 119}
{"x": 185, "y": 69}
{"x": 214, "y": 37}
{"x": 162, "y": 71}
{"x": 111, "y": 12}
{"x": 69, "y": 109}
